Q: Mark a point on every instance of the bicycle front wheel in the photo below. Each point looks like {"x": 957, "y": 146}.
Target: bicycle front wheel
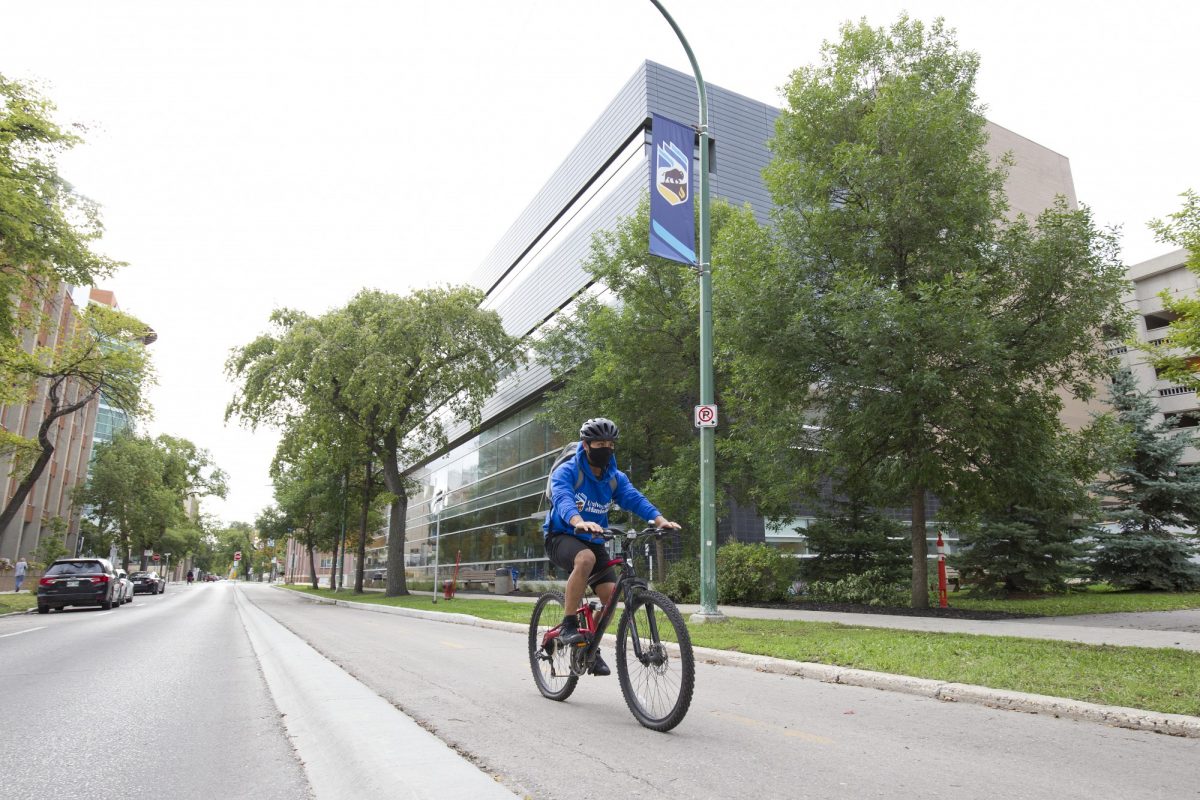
{"x": 551, "y": 664}
{"x": 657, "y": 678}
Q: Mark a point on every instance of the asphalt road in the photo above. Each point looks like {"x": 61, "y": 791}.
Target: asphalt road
{"x": 162, "y": 698}
{"x": 748, "y": 734}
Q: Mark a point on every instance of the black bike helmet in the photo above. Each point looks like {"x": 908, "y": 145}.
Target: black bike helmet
{"x": 599, "y": 429}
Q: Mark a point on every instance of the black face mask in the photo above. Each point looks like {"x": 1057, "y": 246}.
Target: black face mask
{"x": 599, "y": 456}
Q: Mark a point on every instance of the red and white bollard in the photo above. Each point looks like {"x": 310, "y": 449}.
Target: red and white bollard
{"x": 942, "y": 601}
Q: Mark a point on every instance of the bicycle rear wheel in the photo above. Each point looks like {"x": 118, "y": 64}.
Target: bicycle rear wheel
{"x": 551, "y": 664}
{"x": 656, "y": 679}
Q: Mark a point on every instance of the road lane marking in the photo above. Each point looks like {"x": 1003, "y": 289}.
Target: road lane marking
{"x": 27, "y": 630}
{"x": 455, "y": 645}
{"x": 750, "y": 722}
{"x": 351, "y": 741}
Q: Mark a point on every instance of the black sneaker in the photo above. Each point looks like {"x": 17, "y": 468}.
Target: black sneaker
{"x": 570, "y": 635}
{"x": 599, "y": 668}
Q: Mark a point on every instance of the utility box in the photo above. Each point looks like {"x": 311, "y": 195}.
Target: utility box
{"x": 504, "y": 582}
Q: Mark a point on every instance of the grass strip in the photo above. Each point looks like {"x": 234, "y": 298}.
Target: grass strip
{"x": 1094, "y": 600}
{"x": 22, "y": 601}
{"x": 1162, "y": 680}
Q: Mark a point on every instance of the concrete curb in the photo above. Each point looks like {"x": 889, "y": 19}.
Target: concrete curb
{"x": 1115, "y": 716}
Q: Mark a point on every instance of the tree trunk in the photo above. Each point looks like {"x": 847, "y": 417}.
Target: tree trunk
{"x": 397, "y": 583}
{"x": 360, "y": 567}
{"x": 312, "y": 564}
{"x": 26, "y": 485}
{"x": 920, "y": 551}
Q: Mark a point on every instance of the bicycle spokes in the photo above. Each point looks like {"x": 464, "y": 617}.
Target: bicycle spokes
{"x": 657, "y": 676}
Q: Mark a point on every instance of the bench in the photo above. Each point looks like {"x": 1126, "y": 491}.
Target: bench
{"x": 467, "y": 577}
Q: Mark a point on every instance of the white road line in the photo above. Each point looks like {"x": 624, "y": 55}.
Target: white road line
{"x": 353, "y": 743}
{"x": 27, "y": 630}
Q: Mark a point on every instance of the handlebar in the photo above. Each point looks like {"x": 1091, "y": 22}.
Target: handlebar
{"x": 612, "y": 532}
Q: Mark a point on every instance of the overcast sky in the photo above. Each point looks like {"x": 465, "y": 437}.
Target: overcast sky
{"x": 256, "y": 154}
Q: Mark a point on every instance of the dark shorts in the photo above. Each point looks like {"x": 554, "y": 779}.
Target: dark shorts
{"x": 562, "y": 549}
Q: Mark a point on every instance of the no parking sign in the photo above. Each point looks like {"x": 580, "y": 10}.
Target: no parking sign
{"x": 706, "y": 416}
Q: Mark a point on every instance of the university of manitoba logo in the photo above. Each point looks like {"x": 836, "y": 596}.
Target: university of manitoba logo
{"x": 671, "y": 171}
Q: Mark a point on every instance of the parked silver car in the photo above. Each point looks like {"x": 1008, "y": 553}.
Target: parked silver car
{"x": 126, "y": 586}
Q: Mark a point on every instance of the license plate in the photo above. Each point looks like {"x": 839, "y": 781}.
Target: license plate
{"x": 72, "y": 583}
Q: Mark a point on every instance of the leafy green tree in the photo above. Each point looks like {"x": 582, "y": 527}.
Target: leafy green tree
{"x": 398, "y": 370}
{"x": 1176, "y": 359}
{"x": 137, "y": 492}
{"x": 635, "y": 360}
{"x": 100, "y": 354}
{"x": 46, "y": 229}
{"x": 1151, "y": 497}
{"x": 920, "y": 331}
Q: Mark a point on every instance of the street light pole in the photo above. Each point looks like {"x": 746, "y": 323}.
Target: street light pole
{"x": 708, "y": 483}
{"x": 438, "y": 501}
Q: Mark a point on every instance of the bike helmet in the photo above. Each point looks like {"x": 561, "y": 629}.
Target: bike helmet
{"x": 599, "y": 429}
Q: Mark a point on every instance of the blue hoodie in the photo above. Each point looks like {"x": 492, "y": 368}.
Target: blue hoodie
{"x": 593, "y": 497}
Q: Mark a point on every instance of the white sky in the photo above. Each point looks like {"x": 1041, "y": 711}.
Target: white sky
{"x": 260, "y": 153}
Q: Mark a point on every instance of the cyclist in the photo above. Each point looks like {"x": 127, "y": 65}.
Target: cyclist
{"x": 583, "y": 489}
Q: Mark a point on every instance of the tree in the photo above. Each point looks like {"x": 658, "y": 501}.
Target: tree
{"x": 1152, "y": 498}
{"x": 398, "y": 370}
{"x": 919, "y": 332}
{"x": 100, "y": 354}
{"x": 1178, "y": 358}
{"x": 635, "y": 361}
{"x": 46, "y": 228}
{"x": 851, "y": 539}
{"x": 137, "y": 491}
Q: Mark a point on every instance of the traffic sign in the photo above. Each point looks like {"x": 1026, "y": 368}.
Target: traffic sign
{"x": 237, "y": 556}
{"x": 155, "y": 556}
{"x": 706, "y": 416}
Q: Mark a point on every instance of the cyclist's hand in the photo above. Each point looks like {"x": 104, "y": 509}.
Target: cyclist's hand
{"x": 590, "y": 527}
{"x": 663, "y": 522}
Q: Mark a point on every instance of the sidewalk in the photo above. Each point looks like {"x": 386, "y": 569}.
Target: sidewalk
{"x": 1177, "y": 629}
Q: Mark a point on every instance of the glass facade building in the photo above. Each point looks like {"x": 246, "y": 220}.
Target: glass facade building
{"x": 493, "y": 475}
{"x": 493, "y": 486}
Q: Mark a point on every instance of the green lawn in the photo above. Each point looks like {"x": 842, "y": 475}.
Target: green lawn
{"x": 1093, "y": 600}
{"x": 1155, "y": 680}
{"x": 17, "y": 602}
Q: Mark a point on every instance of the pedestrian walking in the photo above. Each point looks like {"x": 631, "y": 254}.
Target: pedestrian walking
{"x": 20, "y": 573}
{"x": 190, "y": 577}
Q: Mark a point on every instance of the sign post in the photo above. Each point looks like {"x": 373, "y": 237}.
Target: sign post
{"x": 708, "y": 480}
{"x": 436, "y": 505}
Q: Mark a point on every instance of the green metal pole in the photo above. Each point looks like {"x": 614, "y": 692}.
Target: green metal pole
{"x": 708, "y": 482}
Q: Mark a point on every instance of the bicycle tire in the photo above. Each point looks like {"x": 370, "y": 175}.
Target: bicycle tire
{"x": 658, "y": 688}
{"x": 552, "y": 673}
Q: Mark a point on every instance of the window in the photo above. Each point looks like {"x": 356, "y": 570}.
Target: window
{"x": 1159, "y": 319}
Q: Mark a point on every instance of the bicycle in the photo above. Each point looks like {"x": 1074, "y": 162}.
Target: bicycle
{"x": 657, "y": 677}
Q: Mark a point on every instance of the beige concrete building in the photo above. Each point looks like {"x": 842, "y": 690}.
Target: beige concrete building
{"x": 1166, "y": 273}
{"x": 48, "y": 506}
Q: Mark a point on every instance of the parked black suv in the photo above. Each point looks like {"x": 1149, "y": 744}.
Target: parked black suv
{"x": 78, "y": 582}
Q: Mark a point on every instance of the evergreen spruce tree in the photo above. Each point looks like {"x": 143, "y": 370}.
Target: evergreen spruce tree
{"x": 1151, "y": 496}
{"x": 1023, "y": 550}
{"x": 851, "y": 539}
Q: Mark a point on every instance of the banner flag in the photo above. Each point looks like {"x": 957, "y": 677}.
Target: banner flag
{"x": 672, "y": 224}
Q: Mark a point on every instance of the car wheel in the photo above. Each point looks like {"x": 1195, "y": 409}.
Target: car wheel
{"x": 162, "y": 588}
{"x": 43, "y": 609}
{"x": 106, "y": 604}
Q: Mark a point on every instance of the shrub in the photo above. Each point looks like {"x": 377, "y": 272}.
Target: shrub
{"x": 746, "y": 573}
{"x": 871, "y": 588}
{"x": 753, "y": 573}
{"x": 682, "y": 583}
